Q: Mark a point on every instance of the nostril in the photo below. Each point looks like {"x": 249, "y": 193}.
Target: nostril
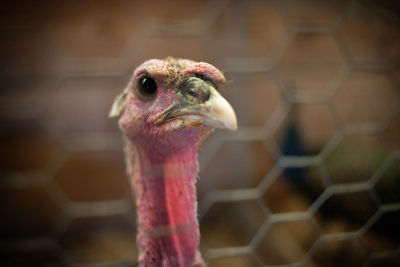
{"x": 204, "y": 93}
{"x": 193, "y": 91}
{"x": 198, "y": 89}
{"x": 200, "y": 92}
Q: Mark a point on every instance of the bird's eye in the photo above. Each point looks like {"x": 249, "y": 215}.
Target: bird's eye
{"x": 147, "y": 88}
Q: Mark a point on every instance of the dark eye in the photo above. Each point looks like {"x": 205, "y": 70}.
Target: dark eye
{"x": 147, "y": 87}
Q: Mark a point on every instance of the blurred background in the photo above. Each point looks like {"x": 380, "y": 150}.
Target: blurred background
{"x": 311, "y": 178}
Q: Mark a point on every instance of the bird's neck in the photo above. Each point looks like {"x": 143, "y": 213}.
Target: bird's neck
{"x": 164, "y": 181}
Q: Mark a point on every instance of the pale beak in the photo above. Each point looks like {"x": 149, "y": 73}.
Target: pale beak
{"x": 217, "y": 112}
{"x": 202, "y": 102}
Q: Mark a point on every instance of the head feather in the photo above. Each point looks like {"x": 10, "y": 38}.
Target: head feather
{"x": 118, "y": 105}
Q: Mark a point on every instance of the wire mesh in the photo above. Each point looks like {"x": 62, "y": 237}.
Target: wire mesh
{"x": 311, "y": 178}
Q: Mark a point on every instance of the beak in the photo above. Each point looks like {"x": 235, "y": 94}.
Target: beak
{"x": 201, "y": 102}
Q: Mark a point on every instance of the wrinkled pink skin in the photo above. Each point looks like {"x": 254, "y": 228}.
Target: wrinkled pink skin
{"x": 162, "y": 164}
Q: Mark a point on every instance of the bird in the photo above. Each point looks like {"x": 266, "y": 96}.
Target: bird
{"x": 167, "y": 109}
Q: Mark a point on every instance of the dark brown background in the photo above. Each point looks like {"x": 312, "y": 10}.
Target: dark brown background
{"x": 312, "y": 176}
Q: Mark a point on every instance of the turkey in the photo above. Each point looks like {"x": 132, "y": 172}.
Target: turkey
{"x": 168, "y": 107}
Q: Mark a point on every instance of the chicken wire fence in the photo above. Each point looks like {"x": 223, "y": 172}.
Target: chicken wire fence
{"x": 311, "y": 178}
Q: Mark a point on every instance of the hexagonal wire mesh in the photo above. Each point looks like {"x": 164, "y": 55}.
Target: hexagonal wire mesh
{"x": 316, "y": 90}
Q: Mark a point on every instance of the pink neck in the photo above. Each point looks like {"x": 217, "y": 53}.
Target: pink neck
{"x": 164, "y": 181}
